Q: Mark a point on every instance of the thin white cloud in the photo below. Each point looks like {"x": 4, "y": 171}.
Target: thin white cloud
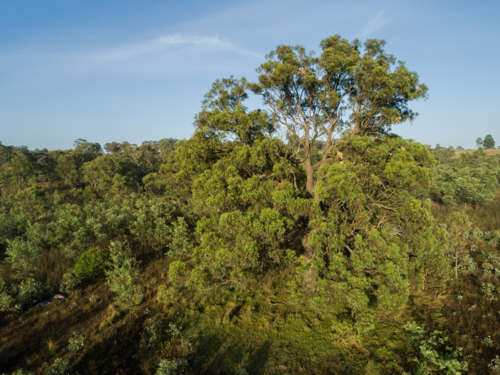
{"x": 162, "y": 43}
{"x": 375, "y": 24}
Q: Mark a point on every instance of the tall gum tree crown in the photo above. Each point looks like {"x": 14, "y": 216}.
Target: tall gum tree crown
{"x": 348, "y": 88}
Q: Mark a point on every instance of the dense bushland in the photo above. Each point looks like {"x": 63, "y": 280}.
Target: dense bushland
{"x": 471, "y": 178}
{"x": 300, "y": 239}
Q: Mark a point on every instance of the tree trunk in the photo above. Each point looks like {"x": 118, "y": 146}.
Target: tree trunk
{"x": 456, "y": 265}
{"x": 310, "y": 178}
{"x": 308, "y": 251}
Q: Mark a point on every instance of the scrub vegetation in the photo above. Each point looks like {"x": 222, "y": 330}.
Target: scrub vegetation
{"x": 301, "y": 238}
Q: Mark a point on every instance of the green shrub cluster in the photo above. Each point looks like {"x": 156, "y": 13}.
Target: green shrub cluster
{"x": 91, "y": 264}
{"x": 123, "y": 276}
{"x": 23, "y": 292}
{"x": 472, "y": 179}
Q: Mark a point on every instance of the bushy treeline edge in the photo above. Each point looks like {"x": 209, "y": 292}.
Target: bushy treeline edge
{"x": 469, "y": 179}
{"x": 341, "y": 241}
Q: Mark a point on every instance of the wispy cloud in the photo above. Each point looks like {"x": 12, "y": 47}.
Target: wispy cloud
{"x": 375, "y": 24}
{"x": 163, "y": 43}
{"x": 166, "y": 55}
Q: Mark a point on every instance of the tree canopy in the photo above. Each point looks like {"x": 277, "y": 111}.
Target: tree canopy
{"x": 352, "y": 88}
{"x": 488, "y": 142}
{"x": 337, "y": 224}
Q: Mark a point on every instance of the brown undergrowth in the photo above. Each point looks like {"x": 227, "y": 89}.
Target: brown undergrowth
{"x": 485, "y": 217}
{"x": 34, "y": 339}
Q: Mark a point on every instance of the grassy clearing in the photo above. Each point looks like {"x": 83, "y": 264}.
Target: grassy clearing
{"x": 489, "y": 152}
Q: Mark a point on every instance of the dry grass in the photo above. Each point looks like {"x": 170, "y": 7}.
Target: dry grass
{"x": 490, "y": 152}
{"x": 51, "y": 345}
{"x": 486, "y": 217}
{"x": 111, "y": 336}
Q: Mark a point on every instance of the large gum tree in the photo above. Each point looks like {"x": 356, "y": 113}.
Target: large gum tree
{"x": 347, "y": 87}
{"x": 350, "y": 227}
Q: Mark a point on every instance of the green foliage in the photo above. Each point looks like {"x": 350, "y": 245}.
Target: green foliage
{"x": 472, "y": 185}
{"x": 352, "y": 245}
{"x": 23, "y": 255}
{"x": 153, "y": 333}
{"x": 495, "y": 364}
{"x": 435, "y": 353}
{"x": 171, "y": 367}
{"x": 472, "y": 178}
{"x": 223, "y": 113}
{"x": 123, "y": 276}
{"x": 20, "y": 372}
{"x": 69, "y": 282}
{"x": 353, "y": 88}
{"x": 7, "y": 302}
{"x": 59, "y": 367}
{"x": 24, "y": 292}
{"x": 76, "y": 344}
{"x": 488, "y": 289}
{"x": 459, "y": 227}
{"x": 91, "y": 264}
{"x": 180, "y": 244}
{"x": 362, "y": 249}
{"x": 488, "y": 142}
{"x": 90, "y": 194}
{"x": 30, "y": 292}
{"x": 442, "y": 154}
{"x": 309, "y": 250}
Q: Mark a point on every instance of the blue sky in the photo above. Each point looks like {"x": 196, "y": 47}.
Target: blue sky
{"x": 137, "y": 70}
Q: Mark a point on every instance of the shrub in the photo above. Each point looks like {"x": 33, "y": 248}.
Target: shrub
{"x": 69, "y": 282}
{"x": 91, "y": 264}
{"x": 24, "y": 292}
{"x": 6, "y": 300}
{"x": 494, "y": 365}
{"x": 123, "y": 277}
{"x": 464, "y": 184}
{"x": 434, "y": 351}
{"x": 23, "y": 255}
{"x": 153, "y": 333}
{"x": 76, "y": 344}
{"x": 164, "y": 294}
{"x": 7, "y": 303}
{"x": 171, "y": 367}
{"x": 20, "y": 372}
{"x": 30, "y": 292}
{"x": 59, "y": 367}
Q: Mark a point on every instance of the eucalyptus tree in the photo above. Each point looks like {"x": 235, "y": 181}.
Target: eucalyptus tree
{"x": 112, "y": 147}
{"x": 348, "y": 87}
{"x": 459, "y": 228}
{"x": 18, "y": 171}
{"x": 347, "y": 236}
{"x": 489, "y": 142}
